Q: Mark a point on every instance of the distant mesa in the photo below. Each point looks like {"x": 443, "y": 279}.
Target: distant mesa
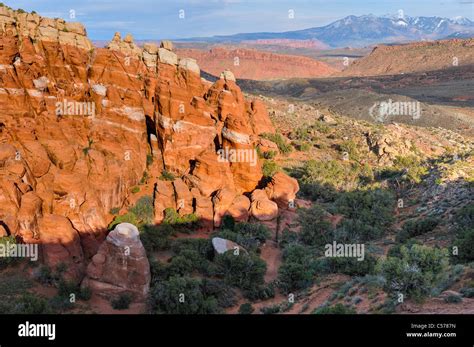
{"x": 257, "y": 65}
{"x": 414, "y": 57}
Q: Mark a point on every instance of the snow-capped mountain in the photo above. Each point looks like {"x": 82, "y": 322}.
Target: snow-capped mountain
{"x": 357, "y": 31}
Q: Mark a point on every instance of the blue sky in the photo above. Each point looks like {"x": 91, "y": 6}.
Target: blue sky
{"x": 160, "y": 19}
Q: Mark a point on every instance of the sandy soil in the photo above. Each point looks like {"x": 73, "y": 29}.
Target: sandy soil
{"x": 272, "y": 255}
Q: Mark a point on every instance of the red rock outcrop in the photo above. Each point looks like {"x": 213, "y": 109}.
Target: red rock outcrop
{"x": 121, "y": 265}
{"x": 257, "y": 64}
{"x": 60, "y": 244}
{"x": 80, "y": 126}
{"x": 282, "y": 189}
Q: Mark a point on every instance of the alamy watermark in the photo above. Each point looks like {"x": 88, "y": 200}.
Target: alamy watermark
{"x": 13, "y": 250}
{"x": 382, "y": 111}
{"x": 345, "y": 250}
{"x": 75, "y": 108}
{"x": 231, "y": 155}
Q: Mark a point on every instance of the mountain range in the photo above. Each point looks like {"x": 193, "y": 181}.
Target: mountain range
{"x": 359, "y": 31}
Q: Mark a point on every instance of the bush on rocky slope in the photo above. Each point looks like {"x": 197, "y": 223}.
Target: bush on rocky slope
{"x": 415, "y": 272}
{"x": 182, "y": 295}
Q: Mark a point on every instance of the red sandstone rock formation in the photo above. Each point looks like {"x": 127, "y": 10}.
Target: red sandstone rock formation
{"x": 79, "y": 125}
{"x": 257, "y": 65}
{"x": 121, "y": 265}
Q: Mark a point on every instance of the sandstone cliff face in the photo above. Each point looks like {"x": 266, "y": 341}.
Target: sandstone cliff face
{"x": 80, "y": 125}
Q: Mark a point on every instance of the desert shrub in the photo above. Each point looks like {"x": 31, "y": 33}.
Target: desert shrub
{"x": 269, "y": 155}
{"x": 402, "y": 236}
{"x": 156, "y": 237}
{"x": 325, "y": 178}
{"x": 467, "y": 292}
{"x": 192, "y": 255}
{"x": 336, "y": 309}
{"x": 412, "y": 166}
{"x": 448, "y": 278}
{"x": 366, "y": 175}
{"x": 356, "y": 230}
{"x": 315, "y": 229}
{"x": 316, "y": 191}
{"x": 270, "y": 168}
{"x": 135, "y": 190}
{"x": 261, "y": 292}
{"x": 149, "y": 160}
{"x": 159, "y": 271}
{"x": 29, "y": 303}
{"x": 453, "y": 299}
{"x": 330, "y": 171}
{"x": 143, "y": 210}
{"x": 122, "y": 302}
{"x": 203, "y": 247}
{"x": 4, "y": 243}
{"x": 321, "y": 127}
{"x": 129, "y": 217}
{"x": 307, "y": 133}
{"x": 297, "y": 271}
{"x": 44, "y": 275}
{"x": 249, "y": 235}
{"x": 273, "y": 309}
{"x": 223, "y": 293}
{"x": 395, "y": 251}
{"x": 288, "y": 237}
{"x": 180, "y": 265}
{"x": 305, "y": 147}
{"x": 181, "y": 295}
{"x": 372, "y": 282}
{"x": 280, "y": 141}
{"x": 350, "y": 147}
{"x": 464, "y": 218}
{"x": 415, "y": 272}
{"x": 47, "y": 276}
{"x": 246, "y": 308}
{"x": 302, "y": 133}
{"x": 373, "y": 208}
{"x": 66, "y": 288}
{"x": 144, "y": 178}
{"x": 60, "y": 304}
{"x": 351, "y": 266}
{"x": 167, "y": 176}
{"x": 13, "y": 285}
{"x": 140, "y": 214}
{"x": 419, "y": 227}
{"x": 302, "y": 146}
{"x": 294, "y": 277}
{"x": 228, "y": 223}
{"x": 244, "y": 271}
{"x": 172, "y": 217}
{"x": 465, "y": 245}
{"x": 114, "y": 210}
